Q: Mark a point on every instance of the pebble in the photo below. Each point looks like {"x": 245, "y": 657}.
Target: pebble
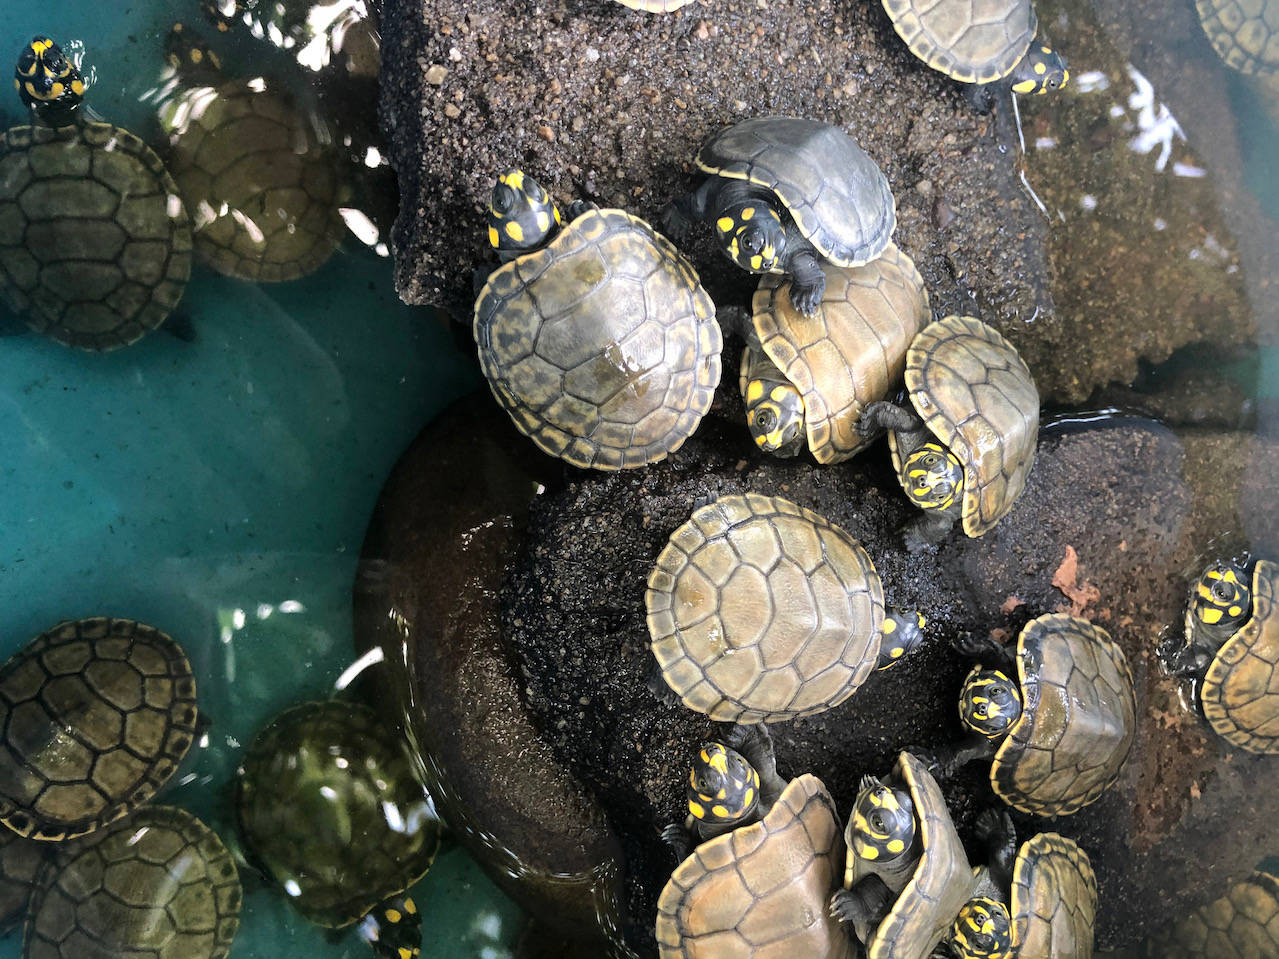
{"x": 452, "y": 111}
{"x": 435, "y": 74}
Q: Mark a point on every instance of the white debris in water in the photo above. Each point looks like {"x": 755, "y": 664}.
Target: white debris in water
{"x": 1159, "y": 128}
{"x": 1088, "y": 202}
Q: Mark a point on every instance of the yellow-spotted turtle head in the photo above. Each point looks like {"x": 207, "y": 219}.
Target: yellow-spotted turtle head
{"x": 1222, "y": 597}
{"x": 1042, "y": 70}
{"x": 882, "y": 828}
{"x": 393, "y": 928}
{"x": 989, "y": 703}
{"x": 753, "y": 236}
{"x": 189, "y": 55}
{"x": 775, "y": 415}
{"x": 934, "y": 477}
{"x": 47, "y": 81}
{"x": 722, "y": 786}
{"x": 982, "y": 930}
{"x": 522, "y": 215}
{"x": 903, "y": 632}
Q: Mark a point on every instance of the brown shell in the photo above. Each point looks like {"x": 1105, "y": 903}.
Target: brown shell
{"x": 1242, "y": 924}
{"x": 1079, "y": 716}
{"x": 1245, "y": 33}
{"x": 943, "y": 879}
{"x": 760, "y": 891}
{"x": 1240, "y": 690}
{"x": 974, "y": 392}
{"x": 1054, "y": 899}
{"x": 761, "y": 610}
{"x": 974, "y": 41}
{"x": 851, "y": 352}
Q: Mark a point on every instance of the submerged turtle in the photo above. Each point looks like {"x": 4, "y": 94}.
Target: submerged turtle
{"x": 966, "y": 445}
{"x": 95, "y": 244}
{"x": 97, "y": 715}
{"x": 1232, "y": 650}
{"x": 159, "y": 883}
{"x": 759, "y": 890}
{"x": 259, "y": 177}
{"x": 1061, "y": 731}
{"x": 330, "y": 808}
{"x": 785, "y": 194}
{"x": 980, "y": 42}
{"x": 1245, "y": 33}
{"x": 1242, "y": 924}
{"x": 906, "y": 876}
{"x": 760, "y": 611}
{"x": 595, "y": 336}
{"x": 808, "y": 378}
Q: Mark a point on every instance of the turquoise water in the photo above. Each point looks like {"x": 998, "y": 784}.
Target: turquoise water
{"x": 219, "y": 489}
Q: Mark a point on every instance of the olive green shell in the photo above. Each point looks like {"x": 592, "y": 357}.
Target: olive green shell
{"x": 1245, "y": 33}
{"x": 329, "y": 805}
{"x": 20, "y": 862}
{"x": 1054, "y": 899}
{"x": 974, "y": 41}
{"x": 976, "y": 395}
{"x": 654, "y": 6}
{"x": 943, "y": 880}
{"x": 117, "y": 699}
{"x": 1242, "y": 924}
{"x": 760, "y": 610}
{"x": 1079, "y": 716}
{"x": 760, "y": 890}
{"x": 261, "y": 185}
{"x": 1240, "y": 691}
{"x": 602, "y": 345}
{"x": 835, "y": 193}
{"x": 95, "y": 246}
{"x": 159, "y": 884}
{"x": 850, "y": 352}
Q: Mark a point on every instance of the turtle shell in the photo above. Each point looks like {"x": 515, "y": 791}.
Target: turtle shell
{"x": 95, "y": 245}
{"x": 760, "y": 610}
{"x": 835, "y": 193}
{"x": 1242, "y": 924}
{"x": 331, "y": 808}
{"x": 1245, "y": 33}
{"x": 942, "y": 882}
{"x": 760, "y": 890}
{"x": 20, "y": 862}
{"x": 1078, "y": 719}
{"x": 976, "y": 395}
{"x": 974, "y": 41}
{"x": 602, "y": 345}
{"x": 159, "y": 883}
{"x": 850, "y": 352}
{"x": 261, "y": 184}
{"x": 1240, "y": 690}
{"x": 97, "y": 715}
{"x": 1054, "y": 899}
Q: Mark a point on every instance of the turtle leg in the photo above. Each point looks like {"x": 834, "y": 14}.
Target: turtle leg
{"x": 981, "y": 96}
{"x": 658, "y": 686}
{"x": 869, "y": 901}
{"x": 1184, "y": 661}
{"x": 929, "y": 528}
{"x": 808, "y": 282}
{"x": 676, "y": 836}
{"x": 946, "y": 761}
{"x": 578, "y": 207}
{"x": 678, "y": 216}
{"x": 986, "y": 650}
{"x": 994, "y": 827}
{"x": 755, "y": 743}
{"x": 883, "y": 415}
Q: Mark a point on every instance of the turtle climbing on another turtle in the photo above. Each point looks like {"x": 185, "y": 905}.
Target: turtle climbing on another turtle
{"x": 784, "y": 195}
{"x": 761, "y": 611}
{"x": 48, "y": 82}
{"x": 1231, "y": 649}
{"x": 806, "y": 379}
{"x": 965, "y": 446}
{"x": 595, "y": 335}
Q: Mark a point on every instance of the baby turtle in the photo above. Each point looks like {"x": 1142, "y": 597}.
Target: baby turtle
{"x": 906, "y": 875}
{"x": 809, "y": 377}
{"x": 1245, "y": 33}
{"x": 257, "y": 174}
{"x": 1242, "y": 924}
{"x": 597, "y": 338}
{"x": 1037, "y": 901}
{"x": 159, "y": 883}
{"x": 966, "y": 445}
{"x": 784, "y": 194}
{"x": 1059, "y": 734}
{"x": 980, "y": 42}
{"x": 330, "y": 808}
{"x": 20, "y": 862}
{"x": 1232, "y": 650}
{"x": 95, "y": 244}
{"x": 759, "y": 890}
{"x": 97, "y": 715}
{"x": 760, "y": 611}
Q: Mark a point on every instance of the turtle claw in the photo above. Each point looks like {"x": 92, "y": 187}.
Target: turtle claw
{"x": 970, "y": 646}
{"x": 991, "y": 823}
{"x": 675, "y": 224}
{"x": 675, "y": 836}
{"x": 807, "y": 297}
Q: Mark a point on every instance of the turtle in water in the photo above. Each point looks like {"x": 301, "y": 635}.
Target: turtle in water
{"x": 595, "y": 335}
{"x": 1245, "y": 33}
{"x": 97, "y": 715}
{"x": 1231, "y": 649}
{"x": 980, "y": 42}
{"x": 330, "y": 808}
{"x": 1242, "y": 924}
{"x": 159, "y": 883}
{"x": 964, "y": 447}
{"x": 761, "y": 611}
{"x": 95, "y": 243}
{"x": 784, "y": 195}
{"x": 259, "y": 177}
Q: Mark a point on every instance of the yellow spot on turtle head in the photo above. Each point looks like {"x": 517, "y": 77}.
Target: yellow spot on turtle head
{"x": 724, "y": 224}
{"x": 55, "y": 91}
{"x": 748, "y": 797}
{"x": 748, "y": 213}
{"x": 557, "y": 214}
{"x": 732, "y": 248}
{"x": 1046, "y": 49}
{"x": 890, "y": 626}
{"x": 410, "y": 906}
{"x": 1235, "y": 610}
{"x": 1041, "y": 69}
{"x": 895, "y": 845}
{"x": 696, "y": 810}
{"x": 543, "y": 221}
{"x": 77, "y": 87}
{"x": 757, "y": 262}
{"x": 719, "y": 762}
{"x": 197, "y": 55}
{"x": 769, "y": 252}
{"x": 393, "y": 915}
{"x": 754, "y": 391}
{"x": 720, "y": 811}
{"x": 1025, "y": 86}
{"x": 515, "y": 180}
{"x": 1211, "y": 616}
{"x": 722, "y": 794}
{"x": 922, "y": 622}
{"x": 494, "y": 239}
{"x": 515, "y": 231}
{"x": 40, "y": 46}
{"x": 870, "y": 852}
{"x": 405, "y": 953}
{"x": 896, "y": 652}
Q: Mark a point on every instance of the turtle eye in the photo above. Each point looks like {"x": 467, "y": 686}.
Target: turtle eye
{"x": 752, "y": 240}
{"x": 1221, "y": 590}
{"x": 930, "y": 460}
{"x": 877, "y": 823}
{"x": 999, "y": 694}
{"x": 766, "y": 419}
{"x": 503, "y": 198}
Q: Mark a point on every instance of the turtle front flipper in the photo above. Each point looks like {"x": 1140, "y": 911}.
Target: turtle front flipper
{"x": 808, "y": 281}
{"x": 927, "y": 529}
{"x": 676, "y": 837}
{"x": 679, "y": 215}
{"x": 755, "y": 743}
{"x": 994, "y": 827}
{"x": 950, "y": 759}
{"x": 867, "y": 902}
{"x": 985, "y": 650}
{"x": 882, "y": 415}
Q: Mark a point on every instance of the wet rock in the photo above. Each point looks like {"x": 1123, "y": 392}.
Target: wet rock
{"x": 1189, "y": 398}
